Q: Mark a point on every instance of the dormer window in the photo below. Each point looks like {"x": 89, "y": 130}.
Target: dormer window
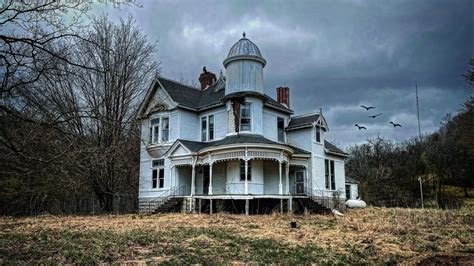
{"x": 207, "y": 128}
{"x": 245, "y": 117}
{"x": 318, "y": 134}
{"x": 159, "y": 130}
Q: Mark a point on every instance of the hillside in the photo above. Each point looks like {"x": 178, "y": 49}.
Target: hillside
{"x": 361, "y": 236}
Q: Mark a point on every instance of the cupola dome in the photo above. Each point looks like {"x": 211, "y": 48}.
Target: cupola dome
{"x": 244, "y": 49}
{"x": 244, "y": 67}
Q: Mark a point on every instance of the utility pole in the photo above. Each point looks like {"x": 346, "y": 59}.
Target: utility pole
{"x": 418, "y": 111}
{"x": 421, "y": 192}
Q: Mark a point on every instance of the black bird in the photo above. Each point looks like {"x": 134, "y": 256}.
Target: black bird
{"x": 360, "y": 127}
{"x": 367, "y": 107}
{"x": 395, "y": 125}
{"x": 374, "y": 116}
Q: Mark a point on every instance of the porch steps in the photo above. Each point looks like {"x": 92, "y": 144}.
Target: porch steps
{"x": 315, "y": 207}
{"x": 172, "y": 205}
{"x": 156, "y": 206}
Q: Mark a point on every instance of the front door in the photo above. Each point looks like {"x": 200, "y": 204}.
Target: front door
{"x": 299, "y": 182}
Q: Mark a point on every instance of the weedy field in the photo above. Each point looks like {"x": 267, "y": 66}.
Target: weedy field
{"x": 373, "y": 235}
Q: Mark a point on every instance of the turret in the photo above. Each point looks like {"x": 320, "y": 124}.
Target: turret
{"x": 244, "y": 67}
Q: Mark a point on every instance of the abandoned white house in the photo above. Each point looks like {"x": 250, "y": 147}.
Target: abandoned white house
{"x": 229, "y": 146}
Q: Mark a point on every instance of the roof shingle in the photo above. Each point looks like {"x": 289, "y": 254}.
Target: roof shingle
{"x": 301, "y": 121}
{"x": 196, "y": 146}
{"x": 332, "y": 148}
{"x": 194, "y": 98}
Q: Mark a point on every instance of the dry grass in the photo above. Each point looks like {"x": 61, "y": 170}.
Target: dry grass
{"x": 370, "y": 235}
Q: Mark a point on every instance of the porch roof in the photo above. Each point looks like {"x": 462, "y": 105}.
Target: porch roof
{"x": 196, "y": 146}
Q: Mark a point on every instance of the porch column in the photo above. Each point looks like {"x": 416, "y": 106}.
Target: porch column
{"x": 290, "y": 205}
{"x": 287, "y": 173}
{"x": 246, "y": 177}
{"x": 210, "y": 180}
{"x": 280, "y": 186}
{"x": 193, "y": 186}
{"x": 246, "y": 207}
{"x": 307, "y": 185}
{"x": 171, "y": 177}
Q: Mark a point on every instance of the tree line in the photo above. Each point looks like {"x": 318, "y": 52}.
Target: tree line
{"x": 389, "y": 172}
{"x": 69, "y": 142}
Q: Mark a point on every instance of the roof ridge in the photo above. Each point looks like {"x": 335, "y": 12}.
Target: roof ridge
{"x": 178, "y": 82}
{"x": 304, "y": 115}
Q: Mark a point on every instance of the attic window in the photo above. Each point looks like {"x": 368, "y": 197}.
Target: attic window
{"x": 318, "y": 134}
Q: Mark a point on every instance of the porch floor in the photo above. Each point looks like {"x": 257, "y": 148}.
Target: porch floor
{"x": 243, "y": 197}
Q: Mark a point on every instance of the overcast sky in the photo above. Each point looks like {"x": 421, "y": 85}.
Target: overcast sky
{"x": 334, "y": 55}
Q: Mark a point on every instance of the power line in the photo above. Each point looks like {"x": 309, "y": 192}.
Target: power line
{"x": 418, "y": 111}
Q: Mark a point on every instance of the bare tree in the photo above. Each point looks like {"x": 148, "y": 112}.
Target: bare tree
{"x": 97, "y": 108}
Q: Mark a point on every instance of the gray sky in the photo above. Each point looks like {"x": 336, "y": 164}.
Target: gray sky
{"x": 333, "y": 55}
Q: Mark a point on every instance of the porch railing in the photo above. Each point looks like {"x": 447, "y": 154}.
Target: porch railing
{"x": 164, "y": 197}
{"x": 327, "y": 198}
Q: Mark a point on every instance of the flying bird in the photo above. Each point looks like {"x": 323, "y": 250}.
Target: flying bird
{"x": 360, "y": 127}
{"x": 395, "y": 125}
{"x": 367, "y": 107}
{"x": 374, "y": 116}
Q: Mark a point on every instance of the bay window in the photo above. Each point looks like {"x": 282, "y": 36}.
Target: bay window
{"x": 159, "y": 130}
{"x": 165, "y": 129}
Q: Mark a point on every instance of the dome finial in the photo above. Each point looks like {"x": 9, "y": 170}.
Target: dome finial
{"x": 243, "y": 34}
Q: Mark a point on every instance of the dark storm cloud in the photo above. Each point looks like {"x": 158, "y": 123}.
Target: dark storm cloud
{"x": 333, "y": 55}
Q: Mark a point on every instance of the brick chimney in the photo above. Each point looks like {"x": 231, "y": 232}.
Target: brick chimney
{"x": 206, "y": 78}
{"x": 283, "y": 96}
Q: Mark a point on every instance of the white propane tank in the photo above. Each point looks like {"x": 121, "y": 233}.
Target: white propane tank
{"x": 355, "y": 203}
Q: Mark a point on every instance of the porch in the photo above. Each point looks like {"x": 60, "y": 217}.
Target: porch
{"x": 252, "y": 178}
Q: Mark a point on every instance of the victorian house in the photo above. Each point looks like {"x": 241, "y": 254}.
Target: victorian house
{"x": 227, "y": 146}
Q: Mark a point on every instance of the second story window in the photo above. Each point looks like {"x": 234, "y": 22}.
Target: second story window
{"x": 155, "y": 130}
{"x": 281, "y": 129}
{"x": 160, "y": 130}
{"x": 165, "y": 129}
{"x": 207, "y": 128}
{"x": 245, "y": 117}
{"x": 318, "y": 134}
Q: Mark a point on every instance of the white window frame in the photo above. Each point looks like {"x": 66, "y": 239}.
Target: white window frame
{"x": 159, "y": 126}
{"x": 317, "y": 131}
{"x": 208, "y": 131}
{"x": 157, "y": 169}
{"x": 284, "y": 135}
{"x": 329, "y": 174}
{"x": 242, "y": 171}
{"x": 246, "y": 117}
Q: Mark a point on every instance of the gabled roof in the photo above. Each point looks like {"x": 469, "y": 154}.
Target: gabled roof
{"x": 351, "y": 180}
{"x": 196, "y": 146}
{"x": 193, "y": 98}
{"x": 307, "y": 120}
{"x": 331, "y": 148}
